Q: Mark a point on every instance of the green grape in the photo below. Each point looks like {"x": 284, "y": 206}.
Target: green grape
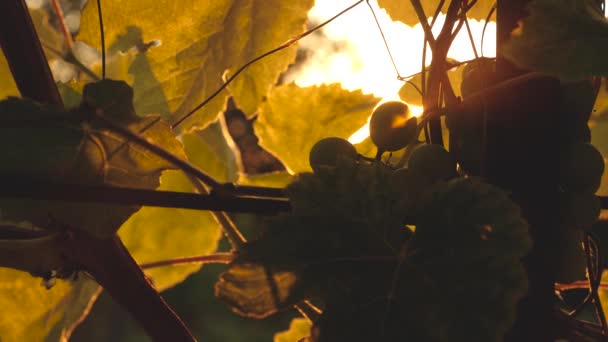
{"x": 327, "y": 151}
{"x": 580, "y": 210}
{"x": 392, "y": 126}
{"x": 433, "y": 161}
{"x": 582, "y": 168}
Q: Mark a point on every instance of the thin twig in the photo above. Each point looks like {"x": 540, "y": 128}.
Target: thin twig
{"x": 388, "y": 50}
{"x": 67, "y": 35}
{"x": 216, "y": 258}
{"x": 182, "y": 164}
{"x": 103, "y": 40}
{"x": 233, "y": 234}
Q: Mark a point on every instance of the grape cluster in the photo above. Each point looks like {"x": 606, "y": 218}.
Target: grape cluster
{"x": 350, "y": 242}
{"x": 580, "y": 173}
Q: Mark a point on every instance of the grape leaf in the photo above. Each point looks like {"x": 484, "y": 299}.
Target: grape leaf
{"x": 339, "y": 219}
{"x": 292, "y": 119}
{"x": 56, "y": 310}
{"x": 52, "y": 40}
{"x": 600, "y": 107}
{"x": 63, "y": 147}
{"x": 7, "y": 84}
{"x": 404, "y": 12}
{"x": 298, "y": 329}
{"x": 153, "y": 234}
{"x": 203, "y": 43}
{"x": 408, "y": 93}
{"x": 564, "y": 38}
{"x": 209, "y": 150}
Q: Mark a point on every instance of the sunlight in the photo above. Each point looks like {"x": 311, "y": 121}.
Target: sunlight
{"x": 351, "y": 51}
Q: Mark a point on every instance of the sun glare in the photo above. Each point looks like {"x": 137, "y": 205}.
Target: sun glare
{"x": 350, "y": 51}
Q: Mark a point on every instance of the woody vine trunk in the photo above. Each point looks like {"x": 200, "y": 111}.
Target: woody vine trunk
{"x": 522, "y": 156}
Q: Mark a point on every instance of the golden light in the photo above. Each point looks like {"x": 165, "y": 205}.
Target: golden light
{"x": 351, "y": 51}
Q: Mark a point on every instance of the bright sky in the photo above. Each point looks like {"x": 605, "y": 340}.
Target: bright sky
{"x": 360, "y": 60}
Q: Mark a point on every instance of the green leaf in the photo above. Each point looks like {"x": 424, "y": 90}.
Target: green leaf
{"x": 298, "y": 329}
{"x": 63, "y": 147}
{"x": 408, "y": 92}
{"x": 209, "y": 150}
{"x": 7, "y": 84}
{"x": 52, "y": 40}
{"x": 404, "y": 12}
{"x": 564, "y": 38}
{"x": 32, "y": 311}
{"x": 36, "y": 252}
{"x": 600, "y": 107}
{"x": 292, "y": 119}
{"x": 201, "y": 44}
{"x": 154, "y": 234}
{"x": 71, "y": 93}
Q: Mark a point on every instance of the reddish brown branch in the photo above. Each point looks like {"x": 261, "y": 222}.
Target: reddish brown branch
{"x": 19, "y": 188}
{"x": 24, "y": 54}
{"x": 217, "y": 258}
{"x": 109, "y": 262}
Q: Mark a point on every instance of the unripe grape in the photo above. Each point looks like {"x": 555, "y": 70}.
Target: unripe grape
{"x": 582, "y": 168}
{"x": 433, "y": 161}
{"x": 392, "y": 126}
{"x": 325, "y": 152}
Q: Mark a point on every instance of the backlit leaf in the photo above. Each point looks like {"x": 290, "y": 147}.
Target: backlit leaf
{"x": 201, "y": 44}
{"x": 409, "y": 91}
{"x": 209, "y": 150}
{"x": 292, "y": 119}
{"x": 154, "y": 234}
{"x": 298, "y": 329}
{"x": 55, "y": 310}
{"x": 63, "y": 147}
{"x": 7, "y": 84}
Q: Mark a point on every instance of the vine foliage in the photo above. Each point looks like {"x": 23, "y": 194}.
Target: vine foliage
{"x": 410, "y": 245}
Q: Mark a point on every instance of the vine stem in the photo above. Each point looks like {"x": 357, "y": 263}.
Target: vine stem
{"x": 237, "y": 240}
{"x": 111, "y": 265}
{"x": 24, "y": 54}
{"x": 216, "y": 258}
{"x": 67, "y": 35}
{"x": 36, "y": 190}
{"x": 424, "y": 22}
{"x": 182, "y": 164}
{"x": 187, "y": 167}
